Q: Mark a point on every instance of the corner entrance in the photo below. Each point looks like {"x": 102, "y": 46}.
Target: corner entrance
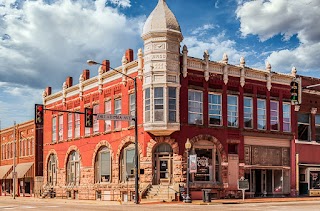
{"x": 162, "y": 164}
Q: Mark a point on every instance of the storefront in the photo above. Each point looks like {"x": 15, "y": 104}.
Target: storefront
{"x": 309, "y": 180}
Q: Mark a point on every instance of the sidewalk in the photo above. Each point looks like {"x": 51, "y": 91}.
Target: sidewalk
{"x": 144, "y": 202}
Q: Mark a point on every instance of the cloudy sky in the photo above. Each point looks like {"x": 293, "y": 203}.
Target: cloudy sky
{"x": 44, "y": 41}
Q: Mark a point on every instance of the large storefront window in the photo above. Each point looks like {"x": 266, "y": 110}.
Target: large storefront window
{"x": 52, "y": 170}
{"x": 127, "y": 163}
{"x": 314, "y": 179}
{"x": 103, "y": 165}
{"x": 73, "y": 169}
{"x": 208, "y": 162}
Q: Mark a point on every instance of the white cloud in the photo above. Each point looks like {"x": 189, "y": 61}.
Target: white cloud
{"x": 216, "y": 45}
{"x": 41, "y": 44}
{"x": 202, "y": 30}
{"x": 269, "y": 18}
{"x": 121, "y": 3}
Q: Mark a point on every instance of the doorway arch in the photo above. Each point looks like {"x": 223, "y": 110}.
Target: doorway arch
{"x": 162, "y": 164}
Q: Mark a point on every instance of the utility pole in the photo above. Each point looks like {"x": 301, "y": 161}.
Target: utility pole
{"x": 14, "y": 161}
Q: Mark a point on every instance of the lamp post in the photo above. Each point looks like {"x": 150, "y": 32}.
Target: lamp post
{"x": 136, "y": 157}
{"x": 187, "y": 145}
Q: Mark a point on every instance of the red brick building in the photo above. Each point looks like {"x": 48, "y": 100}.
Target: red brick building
{"x": 238, "y": 119}
{"x": 27, "y": 159}
{"x": 308, "y": 137}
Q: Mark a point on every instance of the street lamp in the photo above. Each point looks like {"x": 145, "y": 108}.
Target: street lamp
{"x": 187, "y": 145}
{"x": 136, "y": 198}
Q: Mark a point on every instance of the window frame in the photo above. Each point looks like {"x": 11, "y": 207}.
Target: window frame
{"x": 250, "y": 114}
{"x": 117, "y": 110}
{"x": 147, "y": 105}
{"x": 158, "y": 104}
{"x": 233, "y": 114}
{"x": 215, "y": 105}
{"x": 70, "y": 125}
{"x": 107, "y": 110}
{"x": 194, "y": 101}
{"x": 172, "y": 104}
{"x": 272, "y": 116}
{"x": 284, "y": 116}
{"x": 54, "y": 129}
{"x": 265, "y": 114}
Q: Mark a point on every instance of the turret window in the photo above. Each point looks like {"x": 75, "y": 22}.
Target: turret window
{"x": 172, "y": 104}
{"x": 147, "y": 105}
{"x": 158, "y": 104}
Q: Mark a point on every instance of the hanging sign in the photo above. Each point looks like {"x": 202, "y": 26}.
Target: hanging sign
{"x": 193, "y": 163}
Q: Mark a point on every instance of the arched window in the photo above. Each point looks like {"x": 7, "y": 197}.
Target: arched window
{"x": 52, "y": 170}
{"x": 127, "y": 163}
{"x": 208, "y": 162}
{"x": 73, "y": 169}
{"x": 103, "y": 165}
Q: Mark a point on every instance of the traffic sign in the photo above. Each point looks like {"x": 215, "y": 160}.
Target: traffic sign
{"x": 118, "y": 117}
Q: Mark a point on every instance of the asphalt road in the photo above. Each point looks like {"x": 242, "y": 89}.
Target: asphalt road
{"x": 52, "y": 205}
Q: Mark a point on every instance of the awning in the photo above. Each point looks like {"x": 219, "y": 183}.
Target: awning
{"x": 21, "y": 169}
{"x": 4, "y": 170}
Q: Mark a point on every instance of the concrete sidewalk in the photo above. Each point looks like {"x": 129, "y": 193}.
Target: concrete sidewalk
{"x": 146, "y": 202}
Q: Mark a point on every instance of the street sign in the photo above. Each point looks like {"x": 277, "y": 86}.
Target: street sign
{"x": 118, "y": 117}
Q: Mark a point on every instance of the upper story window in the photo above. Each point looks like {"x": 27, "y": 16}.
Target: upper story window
{"x": 69, "y": 125}
{"x": 262, "y": 117}
{"x": 60, "y": 127}
{"x": 274, "y": 115}
{"x": 117, "y": 110}
{"x": 303, "y": 127}
{"x": 172, "y": 104}
{"x": 95, "y": 120}
{"x": 158, "y": 104}
{"x": 195, "y": 107}
{"x": 248, "y": 112}
{"x": 286, "y": 107}
{"x": 147, "y": 105}
{"x": 215, "y": 109}
{"x": 107, "y": 110}
{"x": 232, "y": 111}
{"x": 54, "y": 129}
{"x": 132, "y": 107}
{"x": 317, "y": 127}
{"x": 76, "y": 125}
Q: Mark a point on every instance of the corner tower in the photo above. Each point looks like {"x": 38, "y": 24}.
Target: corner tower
{"x": 161, "y": 85}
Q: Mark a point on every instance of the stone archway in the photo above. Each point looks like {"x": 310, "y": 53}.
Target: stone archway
{"x": 220, "y": 149}
{"x": 101, "y": 144}
{"x": 176, "y": 159}
{"x": 45, "y": 167}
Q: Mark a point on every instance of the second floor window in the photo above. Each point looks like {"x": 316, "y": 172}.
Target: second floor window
{"x": 107, "y": 110}
{"x": 60, "y": 127}
{"x": 69, "y": 125}
{"x": 195, "y": 107}
{"x": 286, "y": 117}
{"x": 158, "y": 104}
{"x": 262, "y": 118}
{"x": 117, "y": 110}
{"x": 147, "y": 105}
{"x": 248, "y": 112}
{"x": 232, "y": 111}
{"x": 274, "y": 115}
{"x": 54, "y": 129}
{"x": 317, "y": 127}
{"x": 95, "y": 120}
{"x": 215, "y": 111}
{"x": 303, "y": 127}
{"x": 132, "y": 107}
{"x": 76, "y": 125}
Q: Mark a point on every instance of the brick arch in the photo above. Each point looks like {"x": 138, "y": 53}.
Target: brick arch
{"x": 220, "y": 149}
{"x": 215, "y": 141}
{"x": 152, "y": 145}
{"x": 45, "y": 167}
{"x": 126, "y": 141}
{"x": 70, "y": 149}
{"x": 98, "y": 146}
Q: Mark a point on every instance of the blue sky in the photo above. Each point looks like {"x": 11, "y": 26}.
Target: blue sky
{"x": 44, "y": 41}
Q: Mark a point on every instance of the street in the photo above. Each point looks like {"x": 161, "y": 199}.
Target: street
{"x": 66, "y": 205}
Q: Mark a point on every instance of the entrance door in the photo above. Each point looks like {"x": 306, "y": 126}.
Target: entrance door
{"x": 162, "y": 164}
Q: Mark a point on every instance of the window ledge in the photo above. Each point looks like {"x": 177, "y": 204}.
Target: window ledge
{"x": 307, "y": 142}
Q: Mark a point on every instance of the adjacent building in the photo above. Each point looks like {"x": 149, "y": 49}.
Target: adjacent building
{"x": 21, "y": 152}
{"x": 238, "y": 119}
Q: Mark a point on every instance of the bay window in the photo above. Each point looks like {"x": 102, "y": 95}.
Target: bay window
{"x": 158, "y": 104}
{"x": 172, "y": 104}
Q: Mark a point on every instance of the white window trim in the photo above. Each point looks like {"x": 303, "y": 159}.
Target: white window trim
{"x": 201, "y": 104}
{"x": 251, "y": 107}
{"x": 221, "y": 122}
{"x": 265, "y": 114}
{"x": 284, "y": 122}
{"x": 237, "y": 111}
{"x": 277, "y": 102}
